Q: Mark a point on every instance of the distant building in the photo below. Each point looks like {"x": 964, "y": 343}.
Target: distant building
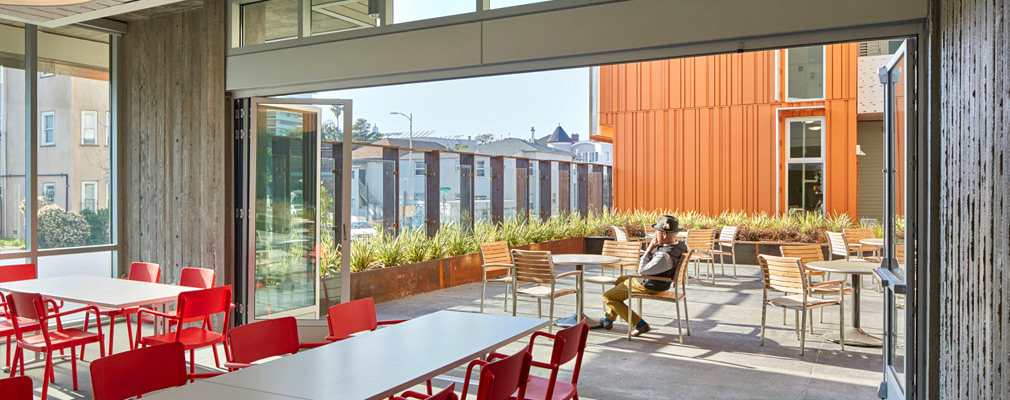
{"x": 587, "y": 151}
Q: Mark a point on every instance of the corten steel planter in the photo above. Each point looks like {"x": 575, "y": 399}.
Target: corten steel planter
{"x": 747, "y": 252}
{"x": 386, "y": 284}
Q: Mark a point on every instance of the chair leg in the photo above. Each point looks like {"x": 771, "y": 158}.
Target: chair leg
{"x": 811, "y": 312}
{"x": 48, "y": 373}
{"x": 764, "y": 314}
{"x": 803, "y": 332}
{"x": 514, "y": 300}
{"x": 680, "y": 331}
{"x": 483, "y": 289}
{"x": 734, "y": 263}
{"x": 797, "y": 317}
{"x": 14, "y": 366}
{"x": 550, "y": 317}
{"x": 711, "y": 267}
{"x": 86, "y": 323}
{"x": 8, "y": 352}
{"x": 505, "y": 303}
{"x": 722, "y": 264}
{"x": 540, "y": 313}
{"x": 216, "y": 362}
{"x": 73, "y": 366}
{"x": 640, "y": 314}
{"x": 129, "y": 333}
{"x": 687, "y": 318}
{"x": 112, "y": 333}
{"x": 192, "y": 361}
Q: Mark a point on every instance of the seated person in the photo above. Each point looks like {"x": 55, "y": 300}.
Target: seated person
{"x": 660, "y": 259}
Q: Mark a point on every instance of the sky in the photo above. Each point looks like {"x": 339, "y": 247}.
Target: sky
{"x": 507, "y": 105}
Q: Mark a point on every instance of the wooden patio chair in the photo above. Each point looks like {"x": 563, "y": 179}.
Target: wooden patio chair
{"x": 701, "y": 243}
{"x": 786, "y": 274}
{"x": 677, "y": 294}
{"x": 496, "y": 257}
{"x": 839, "y": 246}
{"x": 724, "y": 246}
{"x": 628, "y": 252}
{"x": 620, "y": 234}
{"x": 853, "y": 237}
{"x": 808, "y": 253}
{"x": 537, "y": 267}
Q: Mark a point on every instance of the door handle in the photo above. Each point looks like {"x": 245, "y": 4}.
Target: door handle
{"x": 890, "y": 280}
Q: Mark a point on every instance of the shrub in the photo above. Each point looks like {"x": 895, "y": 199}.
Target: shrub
{"x": 98, "y": 226}
{"x": 61, "y": 228}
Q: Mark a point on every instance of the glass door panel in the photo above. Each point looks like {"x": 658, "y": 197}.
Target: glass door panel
{"x": 299, "y": 193}
{"x": 897, "y": 269}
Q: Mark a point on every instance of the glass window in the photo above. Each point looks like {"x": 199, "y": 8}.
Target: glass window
{"x": 534, "y": 185}
{"x": 80, "y": 89}
{"x": 419, "y": 167}
{"x": 415, "y": 10}
{"x": 48, "y": 128}
{"x": 805, "y": 73}
{"x": 49, "y": 192}
{"x": 268, "y": 21}
{"x": 511, "y": 3}
{"x": 480, "y": 165}
{"x": 482, "y": 190}
{"x": 89, "y": 128}
{"x": 369, "y": 173}
{"x": 805, "y": 165}
{"x": 449, "y": 188}
{"x": 330, "y": 16}
{"x": 89, "y": 195}
{"x": 14, "y": 136}
{"x": 108, "y": 128}
{"x": 412, "y": 190}
{"x": 108, "y": 194}
{"x": 509, "y": 188}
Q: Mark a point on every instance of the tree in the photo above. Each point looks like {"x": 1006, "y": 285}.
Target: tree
{"x": 98, "y": 226}
{"x": 331, "y": 132}
{"x": 485, "y": 138}
{"x": 362, "y": 132}
{"x": 61, "y": 228}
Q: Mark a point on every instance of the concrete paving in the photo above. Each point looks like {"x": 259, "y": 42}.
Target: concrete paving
{"x": 721, "y": 359}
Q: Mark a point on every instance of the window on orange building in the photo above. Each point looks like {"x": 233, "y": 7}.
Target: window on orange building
{"x": 805, "y": 164}
{"x": 805, "y": 73}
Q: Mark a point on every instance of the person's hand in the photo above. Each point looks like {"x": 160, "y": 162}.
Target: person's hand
{"x": 653, "y": 243}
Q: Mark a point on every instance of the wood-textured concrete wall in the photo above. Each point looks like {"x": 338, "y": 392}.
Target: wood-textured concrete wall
{"x": 714, "y": 120}
{"x": 974, "y": 199}
{"x": 174, "y": 148}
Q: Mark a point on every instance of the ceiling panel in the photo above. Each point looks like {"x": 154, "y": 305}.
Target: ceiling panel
{"x": 53, "y": 17}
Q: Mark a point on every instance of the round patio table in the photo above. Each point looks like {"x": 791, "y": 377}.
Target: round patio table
{"x": 579, "y": 261}
{"x": 854, "y": 336}
{"x": 879, "y": 242}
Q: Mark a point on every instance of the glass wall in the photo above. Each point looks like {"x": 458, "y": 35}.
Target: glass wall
{"x": 449, "y": 188}
{"x": 13, "y": 165}
{"x": 534, "y": 188}
{"x": 805, "y": 73}
{"x": 509, "y": 188}
{"x": 74, "y": 142}
{"x": 555, "y": 181}
{"x": 368, "y": 190}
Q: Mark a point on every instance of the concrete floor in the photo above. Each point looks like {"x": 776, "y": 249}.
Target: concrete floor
{"x": 721, "y": 359}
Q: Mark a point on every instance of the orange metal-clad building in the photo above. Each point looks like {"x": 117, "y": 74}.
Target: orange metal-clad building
{"x": 726, "y": 132}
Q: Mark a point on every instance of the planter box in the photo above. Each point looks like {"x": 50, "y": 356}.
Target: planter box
{"x": 747, "y": 252}
{"x": 386, "y": 284}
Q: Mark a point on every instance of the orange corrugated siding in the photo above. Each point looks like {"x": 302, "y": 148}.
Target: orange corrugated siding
{"x": 714, "y": 119}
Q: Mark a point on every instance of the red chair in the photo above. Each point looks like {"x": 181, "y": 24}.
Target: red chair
{"x": 14, "y": 273}
{"x": 270, "y": 338}
{"x": 140, "y": 272}
{"x": 444, "y": 394}
{"x": 136, "y": 372}
{"x": 348, "y": 318}
{"x": 31, "y": 306}
{"x": 569, "y": 343}
{"x": 17, "y": 388}
{"x": 197, "y": 305}
{"x": 500, "y": 380}
{"x": 200, "y": 278}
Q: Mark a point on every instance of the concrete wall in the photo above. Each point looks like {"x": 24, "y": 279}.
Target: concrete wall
{"x": 176, "y": 162}
{"x": 974, "y": 282}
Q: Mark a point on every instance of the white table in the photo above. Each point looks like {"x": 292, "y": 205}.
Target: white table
{"x": 376, "y": 364}
{"x": 580, "y": 261}
{"x": 854, "y": 336}
{"x": 875, "y": 242}
{"x": 204, "y": 390}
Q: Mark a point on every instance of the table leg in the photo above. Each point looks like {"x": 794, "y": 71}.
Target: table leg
{"x": 578, "y": 316}
{"x": 855, "y": 336}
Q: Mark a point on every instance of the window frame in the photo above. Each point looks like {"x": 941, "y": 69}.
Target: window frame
{"x": 46, "y": 186}
{"x": 108, "y": 128}
{"x": 84, "y": 195}
{"x": 824, "y": 77}
{"x": 422, "y": 168}
{"x": 84, "y": 128}
{"x": 806, "y": 160}
{"x": 42, "y": 130}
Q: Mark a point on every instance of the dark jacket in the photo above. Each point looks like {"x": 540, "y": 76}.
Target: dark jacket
{"x": 662, "y": 261}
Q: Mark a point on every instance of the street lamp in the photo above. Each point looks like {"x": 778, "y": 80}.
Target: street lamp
{"x": 410, "y": 158}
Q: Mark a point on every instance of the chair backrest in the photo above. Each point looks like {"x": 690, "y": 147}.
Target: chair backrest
{"x": 805, "y": 252}
{"x": 620, "y": 234}
{"x": 205, "y": 302}
{"x": 18, "y": 272}
{"x": 700, "y": 239}
{"x": 784, "y": 274}
{"x": 495, "y": 252}
{"x": 533, "y": 266}
{"x": 685, "y": 259}
{"x": 145, "y": 272}
{"x": 570, "y": 343}
{"x": 29, "y": 306}
{"x": 135, "y": 372}
{"x": 727, "y": 235}
{"x": 501, "y": 379}
{"x": 348, "y": 318}
{"x": 445, "y": 394}
{"x": 854, "y": 235}
{"x": 17, "y": 388}
{"x": 836, "y": 241}
{"x": 202, "y": 278}
{"x": 628, "y": 252}
{"x": 268, "y": 338}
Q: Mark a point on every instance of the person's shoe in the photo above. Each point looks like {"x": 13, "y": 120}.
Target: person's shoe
{"x": 641, "y": 329}
{"x": 603, "y": 324}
